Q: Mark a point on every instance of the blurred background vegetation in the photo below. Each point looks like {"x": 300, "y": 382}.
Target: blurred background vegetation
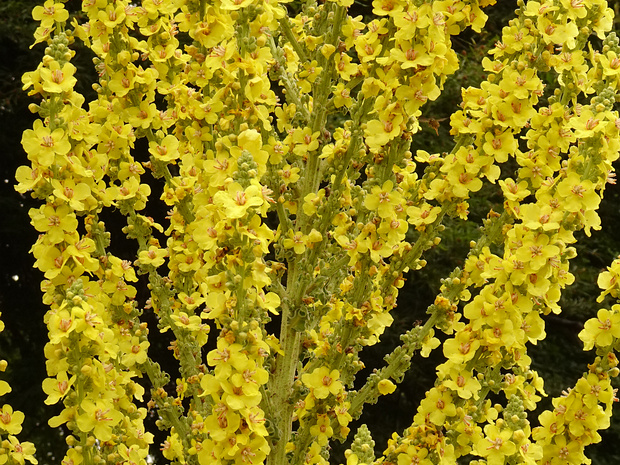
{"x": 559, "y": 358}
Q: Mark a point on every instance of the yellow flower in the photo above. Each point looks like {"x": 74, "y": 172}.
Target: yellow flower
{"x": 393, "y": 230}
{"x": 50, "y": 13}
{"x": 10, "y": 421}
{"x": 172, "y": 448}
{"x": 462, "y": 347}
{"x": 380, "y": 131}
{"x": 514, "y": 192}
{"x": 408, "y": 22}
{"x": 368, "y": 48}
{"x": 295, "y": 241}
{"x": 342, "y": 96}
{"x": 5, "y": 388}
{"x": 572, "y": 61}
{"x": 253, "y": 452}
{"x": 289, "y": 174}
{"x": 536, "y": 251}
{"x": 153, "y": 256}
{"x": 239, "y": 394}
{"x": 595, "y": 390}
{"x": 191, "y": 301}
{"x": 521, "y": 84}
{"x": 602, "y": 330}
{"x": 27, "y": 178}
{"x": 50, "y": 260}
{"x": 255, "y": 419}
{"x": 55, "y": 222}
{"x": 322, "y": 382}
{"x": 167, "y": 150}
{"x": 226, "y": 357}
{"x": 342, "y": 414}
{"x": 567, "y": 450}
{"x": 379, "y": 249}
{"x": 386, "y": 7}
{"x": 185, "y": 321}
{"x": 21, "y": 451}
{"x": 312, "y": 202}
{"x": 555, "y": 33}
{"x": 386, "y": 387}
{"x": 578, "y": 194}
{"x": 322, "y": 430}
{"x": 305, "y": 141}
{"x": 235, "y": 4}
{"x": 308, "y": 75}
{"x": 235, "y": 201}
{"x": 422, "y": 215}
{"x": 118, "y": 290}
{"x": 57, "y": 388}
{"x": 112, "y": 15}
{"x": 550, "y": 425}
{"x": 464, "y": 383}
{"x": 497, "y": 445}
{"x": 258, "y": 90}
{"x": 414, "y": 455}
{"x": 122, "y": 81}
{"x": 42, "y": 144}
{"x": 534, "y": 217}
{"x": 609, "y": 281}
{"x": 383, "y": 199}
{"x": 72, "y": 193}
{"x": 99, "y": 417}
{"x": 141, "y": 116}
{"x": 411, "y": 55}
{"x": 42, "y": 33}
{"x": 500, "y": 145}
{"x": 460, "y": 181}
{"x": 346, "y": 69}
{"x": 56, "y": 79}
{"x": 437, "y": 406}
{"x": 134, "y": 352}
{"x": 67, "y": 414}
{"x": 610, "y": 63}
{"x": 133, "y": 453}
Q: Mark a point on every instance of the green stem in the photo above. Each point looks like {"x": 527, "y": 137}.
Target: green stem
{"x": 320, "y": 103}
{"x": 285, "y": 24}
{"x": 281, "y": 389}
{"x": 398, "y": 358}
{"x": 292, "y": 90}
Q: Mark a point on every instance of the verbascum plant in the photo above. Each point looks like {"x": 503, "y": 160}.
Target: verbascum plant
{"x": 12, "y": 450}
{"x": 280, "y": 144}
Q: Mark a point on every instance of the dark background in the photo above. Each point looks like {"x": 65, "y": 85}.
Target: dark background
{"x": 559, "y": 359}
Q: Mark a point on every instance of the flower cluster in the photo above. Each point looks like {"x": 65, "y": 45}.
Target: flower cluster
{"x": 12, "y": 450}
{"x": 96, "y": 345}
{"x": 580, "y": 412}
{"x": 280, "y": 144}
{"x": 487, "y": 352}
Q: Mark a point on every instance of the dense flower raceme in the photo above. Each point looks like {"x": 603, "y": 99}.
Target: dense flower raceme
{"x": 282, "y": 145}
{"x": 12, "y": 449}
